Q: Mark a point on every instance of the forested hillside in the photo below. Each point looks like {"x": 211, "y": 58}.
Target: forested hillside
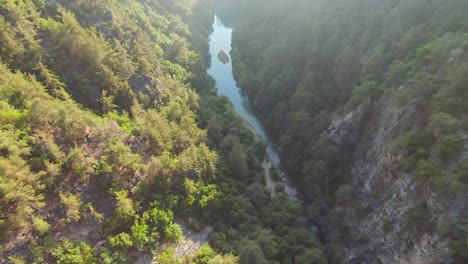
{"x": 112, "y": 138}
{"x": 368, "y": 100}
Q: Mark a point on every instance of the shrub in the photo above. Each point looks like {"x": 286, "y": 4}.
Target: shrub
{"x": 450, "y": 147}
{"x": 120, "y": 241}
{"x": 366, "y": 89}
{"x": 74, "y": 253}
{"x": 41, "y": 226}
{"x": 441, "y": 124}
{"x": 124, "y": 212}
{"x": 80, "y": 164}
{"x": 465, "y": 125}
{"x": 72, "y": 204}
{"x": 462, "y": 172}
{"x": 3, "y": 228}
{"x": 17, "y": 259}
{"x": 457, "y": 232}
{"x": 420, "y": 89}
{"x": 414, "y": 140}
{"x": 226, "y": 259}
{"x": 433, "y": 173}
{"x": 93, "y": 214}
{"x": 173, "y": 232}
{"x": 446, "y": 185}
{"x": 274, "y": 172}
{"x": 387, "y": 226}
{"x": 428, "y": 169}
{"x": 140, "y": 235}
{"x": 310, "y": 256}
{"x": 418, "y": 219}
{"x": 204, "y": 254}
{"x": 343, "y": 194}
{"x": 416, "y": 145}
{"x": 169, "y": 257}
{"x": 109, "y": 256}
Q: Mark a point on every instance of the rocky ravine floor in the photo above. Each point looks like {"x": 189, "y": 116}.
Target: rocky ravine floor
{"x": 187, "y": 246}
{"x": 271, "y": 183}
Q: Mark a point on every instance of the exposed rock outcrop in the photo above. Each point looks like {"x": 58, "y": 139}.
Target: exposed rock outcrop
{"x": 223, "y": 57}
{"x": 375, "y": 228}
{"x": 389, "y": 216}
{"x": 346, "y": 130}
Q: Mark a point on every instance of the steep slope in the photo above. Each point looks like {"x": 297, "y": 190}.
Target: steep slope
{"x": 113, "y": 142}
{"x": 367, "y": 99}
{"x": 70, "y": 177}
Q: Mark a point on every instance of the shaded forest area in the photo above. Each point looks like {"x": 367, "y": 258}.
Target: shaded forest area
{"x": 303, "y": 63}
{"x": 112, "y": 133}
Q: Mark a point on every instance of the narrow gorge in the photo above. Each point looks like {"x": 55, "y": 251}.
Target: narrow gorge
{"x": 234, "y": 131}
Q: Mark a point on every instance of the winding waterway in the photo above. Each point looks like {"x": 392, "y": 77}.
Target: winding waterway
{"x": 220, "y": 40}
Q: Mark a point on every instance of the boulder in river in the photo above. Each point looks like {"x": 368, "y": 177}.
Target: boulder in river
{"x": 223, "y": 57}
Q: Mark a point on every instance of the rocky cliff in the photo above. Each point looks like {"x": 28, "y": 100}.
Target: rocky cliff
{"x": 393, "y": 216}
{"x": 369, "y": 109}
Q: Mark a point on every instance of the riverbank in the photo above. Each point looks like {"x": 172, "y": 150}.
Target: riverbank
{"x": 267, "y": 164}
{"x": 273, "y": 179}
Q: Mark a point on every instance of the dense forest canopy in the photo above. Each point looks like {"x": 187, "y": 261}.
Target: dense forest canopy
{"x": 115, "y": 147}
{"x": 112, "y": 139}
{"x": 303, "y": 64}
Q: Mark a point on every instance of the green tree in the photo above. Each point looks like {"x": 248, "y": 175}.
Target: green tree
{"x": 429, "y": 169}
{"x": 238, "y": 162}
{"x": 74, "y": 253}
{"x": 450, "y": 147}
{"x": 347, "y": 67}
{"x": 72, "y": 204}
{"x": 107, "y": 102}
{"x": 124, "y": 212}
{"x": 366, "y": 89}
{"x": 316, "y": 175}
{"x": 120, "y": 241}
{"x": 250, "y": 252}
{"x": 173, "y": 232}
{"x": 442, "y": 124}
{"x": 462, "y": 172}
{"x": 256, "y": 193}
{"x": 41, "y": 226}
{"x": 204, "y": 255}
{"x": 225, "y": 259}
{"x": 140, "y": 236}
{"x": 313, "y": 256}
{"x": 169, "y": 257}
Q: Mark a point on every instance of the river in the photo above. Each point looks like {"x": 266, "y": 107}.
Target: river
{"x": 220, "y": 40}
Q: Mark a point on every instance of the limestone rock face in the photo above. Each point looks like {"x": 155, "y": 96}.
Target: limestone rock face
{"x": 373, "y": 224}
{"x": 346, "y": 130}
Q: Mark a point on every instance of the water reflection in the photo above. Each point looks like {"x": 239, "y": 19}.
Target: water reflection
{"x": 220, "y": 41}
